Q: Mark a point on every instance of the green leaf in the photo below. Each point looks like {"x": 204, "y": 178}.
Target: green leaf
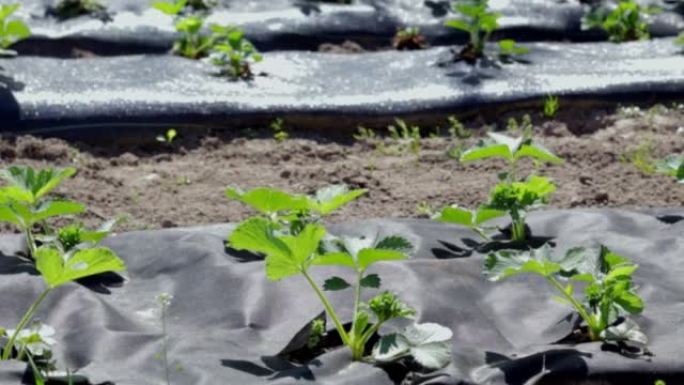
{"x": 37, "y": 184}
{"x": 9, "y": 215}
{"x": 458, "y": 24}
{"x": 57, "y": 270}
{"x": 627, "y": 331}
{"x": 256, "y": 235}
{"x": 429, "y": 344}
{"x": 630, "y": 302}
{"x": 505, "y": 263}
{"x": 17, "y": 29}
{"x": 456, "y": 215}
{"x": 329, "y": 199}
{"x": 269, "y": 201}
{"x": 169, "y": 8}
{"x": 334, "y": 259}
{"x": 371, "y": 281}
{"x": 335, "y": 284}
{"x": 367, "y": 257}
{"x": 538, "y": 153}
{"x": 301, "y": 250}
{"x": 56, "y": 208}
{"x": 486, "y": 152}
{"x": 485, "y": 214}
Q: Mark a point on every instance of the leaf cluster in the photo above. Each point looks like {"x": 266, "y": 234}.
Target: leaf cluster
{"x": 551, "y": 106}
{"x": 672, "y": 165}
{"x": 232, "y": 53}
{"x": 609, "y": 293}
{"x": 510, "y": 196}
{"x": 11, "y": 30}
{"x": 479, "y": 22}
{"x": 624, "y": 22}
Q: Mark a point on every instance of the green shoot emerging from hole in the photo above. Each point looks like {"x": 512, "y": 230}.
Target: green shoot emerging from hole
{"x": 233, "y": 54}
{"x": 551, "y": 106}
{"x": 479, "y": 22}
{"x": 511, "y": 195}
{"x": 11, "y": 31}
{"x": 291, "y": 255}
{"x": 609, "y": 293}
{"x": 168, "y": 137}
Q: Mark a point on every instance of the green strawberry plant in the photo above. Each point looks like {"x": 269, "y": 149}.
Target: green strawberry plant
{"x": 625, "y": 22}
{"x": 511, "y": 195}
{"x": 609, "y": 293}
{"x": 24, "y": 200}
{"x": 290, "y": 255}
{"x": 479, "y": 22}
{"x": 551, "y": 106}
{"x": 232, "y": 53}
{"x": 192, "y": 43}
{"x": 290, "y": 213}
{"x": 11, "y": 30}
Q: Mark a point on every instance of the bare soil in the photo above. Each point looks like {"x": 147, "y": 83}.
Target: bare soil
{"x": 157, "y": 185}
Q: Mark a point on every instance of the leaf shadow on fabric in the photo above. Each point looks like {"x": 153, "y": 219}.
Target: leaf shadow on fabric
{"x": 12, "y": 264}
{"x": 670, "y": 219}
{"x": 9, "y": 107}
{"x": 242, "y": 256}
{"x": 438, "y": 8}
{"x": 531, "y": 369}
{"x": 499, "y": 242}
{"x": 273, "y": 368}
{"x": 307, "y": 7}
{"x": 102, "y": 283}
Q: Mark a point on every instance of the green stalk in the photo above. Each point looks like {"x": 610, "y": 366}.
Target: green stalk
{"x": 30, "y": 242}
{"x": 329, "y": 309}
{"x": 357, "y": 343}
{"x": 593, "y": 332}
{"x": 7, "y": 351}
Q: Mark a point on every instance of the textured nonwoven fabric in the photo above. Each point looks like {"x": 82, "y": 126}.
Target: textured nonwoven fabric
{"x": 227, "y": 323}
{"x": 304, "y": 24}
{"x": 114, "y": 97}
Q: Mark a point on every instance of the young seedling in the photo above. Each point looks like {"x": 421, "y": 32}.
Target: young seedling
{"x": 407, "y": 138}
{"x": 192, "y": 43}
{"x": 479, "y": 22}
{"x": 409, "y": 39}
{"x": 24, "y": 200}
{"x": 232, "y": 53}
{"x": 551, "y": 106}
{"x": 291, "y": 255}
{"x": 609, "y": 294}
{"x": 168, "y": 137}
{"x": 641, "y": 157}
{"x": 58, "y": 268}
{"x": 11, "y": 30}
{"x": 279, "y": 132}
{"x": 67, "y": 9}
{"x": 290, "y": 213}
{"x": 510, "y": 196}
{"x": 625, "y": 22}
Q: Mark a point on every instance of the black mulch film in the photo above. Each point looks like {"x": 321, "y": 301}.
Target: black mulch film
{"x": 227, "y": 323}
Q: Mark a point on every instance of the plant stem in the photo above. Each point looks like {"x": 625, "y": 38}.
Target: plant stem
{"x": 30, "y": 242}
{"x": 329, "y": 309}
{"x": 7, "y": 351}
{"x": 518, "y": 229}
{"x": 593, "y": 335}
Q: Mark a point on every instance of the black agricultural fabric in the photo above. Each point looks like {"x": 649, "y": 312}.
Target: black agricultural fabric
{"x": 89, "y": 97}
{"x": 227, "y": 323}
{"x": 304, "y": 24}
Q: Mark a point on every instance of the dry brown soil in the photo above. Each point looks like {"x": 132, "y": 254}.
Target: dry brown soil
{"x": 157, "y": 185}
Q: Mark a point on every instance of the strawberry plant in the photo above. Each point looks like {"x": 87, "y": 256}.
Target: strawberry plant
{"x": 551, "y": 106}
{"x": 609, "y": 293}
{"x": 24, "y": 201}
{"x": 296, "y": 254}
{"x": 11, "y": 30}
{"x": 511, "y": 195}
{"x": 192, "y": 43}
{"x": 232, "y": 53}
{"x": 480, "y": 23}
{"x": 625, "y": 22}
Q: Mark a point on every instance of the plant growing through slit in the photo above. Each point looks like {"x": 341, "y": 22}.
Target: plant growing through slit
{"x": 11, "y": 30}
{"x": 609, "y": 293}
{"x": 192, "y": 43}
{"x": 625, "y": 22}
{"x": 296, "y": 254}
{"x": 511, "y": 195}
{"x": 232, "y": 53}
{"x": 479, "y": 22}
